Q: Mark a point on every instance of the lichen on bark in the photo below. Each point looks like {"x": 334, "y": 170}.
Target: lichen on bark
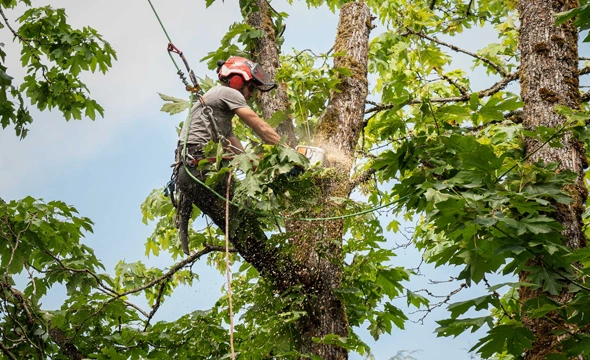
{"x": 549, "y": 77}
{"x": 318, "y": 247}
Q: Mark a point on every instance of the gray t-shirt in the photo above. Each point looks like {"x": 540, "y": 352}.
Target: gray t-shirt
{"x": 223, "y": 101}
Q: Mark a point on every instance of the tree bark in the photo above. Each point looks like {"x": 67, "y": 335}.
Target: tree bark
{"x": 549, "y": 77}
{"x": 266, "y": 53}
{"x": 318, "y": 246}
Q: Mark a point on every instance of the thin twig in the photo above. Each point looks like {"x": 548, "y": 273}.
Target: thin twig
{"x": 459, "y": 87}
{"x": 437, "y": 305}
{"x": 156, "y": 304}
{"x": 481, "y": 94}
{"x": 514, "y": 116}
{"x": 7, "y": 352}
{"x": 458, "y": 49}
{"x": 468, "y": 12}
{"x": 82, "y": 271}
{"x": 189, "y": 260}
{"x": 16, "y": 240}
{"x": 435, "y": 119}
{"x": 531, "y": 153}
{"x": 362, "y": 178}
{"x": 498, "y": 297}
{"x": 27, "y": 44}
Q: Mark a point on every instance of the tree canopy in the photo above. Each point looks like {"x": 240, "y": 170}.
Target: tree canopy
{"x": 431, "y": 148}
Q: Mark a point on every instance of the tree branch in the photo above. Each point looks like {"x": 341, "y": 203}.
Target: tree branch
{"x": 27, "y": 43}
{"x": 481, "y": 94}
{"x": 514, "y": 116}
{"x": 65, "y": 345}
{"x": 490, "y": 63}
{"x": 454, "y": 83}
{"x": 362, "y": 178}
{"x": 56, "y": 334}
{"x": 429, "y": 308}
{"x": 156, "y": 304}
{"x": 7, "y": 352}
{"x": 177, "y": 267}
{"x": 16, "y": 241}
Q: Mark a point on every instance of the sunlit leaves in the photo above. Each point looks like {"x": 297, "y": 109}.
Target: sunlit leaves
{"x": 239, "y": 33}
{"x": 309, "y": 80}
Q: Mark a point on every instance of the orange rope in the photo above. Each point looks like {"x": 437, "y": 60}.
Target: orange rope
{"x": 231, "y": 311}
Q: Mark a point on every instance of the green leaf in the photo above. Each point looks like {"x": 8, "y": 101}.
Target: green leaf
{"x": 480, "y": 303}
{"x": 174, "y": 106}
{"x": 455, "y": 327}
{"x": 513, "y": 337}
{"x": 277, "y": 118}
{"x": 548, "y": 279}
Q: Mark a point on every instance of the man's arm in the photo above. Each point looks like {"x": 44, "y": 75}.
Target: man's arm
{"x": 235, "y": 142}
{"x": 262, "y": 129}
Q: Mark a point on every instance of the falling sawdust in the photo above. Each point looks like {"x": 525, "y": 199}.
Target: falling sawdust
{"x": 335, "y": 157}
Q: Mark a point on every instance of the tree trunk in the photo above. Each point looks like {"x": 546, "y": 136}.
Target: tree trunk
{"x": 318, "y": 246}
{"x": 266, "y": 53}
{"x": 549, "y": 77}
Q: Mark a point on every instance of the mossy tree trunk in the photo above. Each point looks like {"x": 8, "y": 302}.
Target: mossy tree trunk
{"x": 317, "y": 247}
{"x": 549, "y": 77}
{"x": 266, "y": 53}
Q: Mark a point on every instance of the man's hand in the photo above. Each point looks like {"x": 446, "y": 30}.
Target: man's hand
{"x": 262, "y": 129}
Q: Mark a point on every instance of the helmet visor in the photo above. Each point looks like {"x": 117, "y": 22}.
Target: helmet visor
{"x": 261, "y": 80}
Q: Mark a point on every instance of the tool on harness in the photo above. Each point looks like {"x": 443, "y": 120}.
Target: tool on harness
{"x": 196, "y": 87}
{"x": 169, "y": 191}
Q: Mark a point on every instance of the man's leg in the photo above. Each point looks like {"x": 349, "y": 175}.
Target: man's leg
{"x": 185, "y": 210}
{"x": 246, "y": 233}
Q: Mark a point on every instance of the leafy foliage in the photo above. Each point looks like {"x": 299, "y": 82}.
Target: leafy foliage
{"x": 55, "y": 55}
{"x": 452, "y": 156}
{"x": 581, "y": 16}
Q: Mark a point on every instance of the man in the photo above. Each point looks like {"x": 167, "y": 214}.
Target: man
{"x": 211, "y": 119}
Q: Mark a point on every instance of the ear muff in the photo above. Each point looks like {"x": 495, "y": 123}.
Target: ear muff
{"x": 236, "y": 82}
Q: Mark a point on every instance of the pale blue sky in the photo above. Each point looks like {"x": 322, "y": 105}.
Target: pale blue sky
{"x": 106, "y": 168}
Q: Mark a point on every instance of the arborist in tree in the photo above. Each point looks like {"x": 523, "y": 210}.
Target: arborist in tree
{"x": 211, "y": 120}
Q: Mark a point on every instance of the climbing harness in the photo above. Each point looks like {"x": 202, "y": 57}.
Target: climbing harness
{"x": 195, "y": 90}
{"x": 170, "y": 187}
{"x": 209, "y": 113}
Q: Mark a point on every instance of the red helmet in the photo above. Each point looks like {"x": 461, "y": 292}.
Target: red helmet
{"x": 248, "y": 71}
